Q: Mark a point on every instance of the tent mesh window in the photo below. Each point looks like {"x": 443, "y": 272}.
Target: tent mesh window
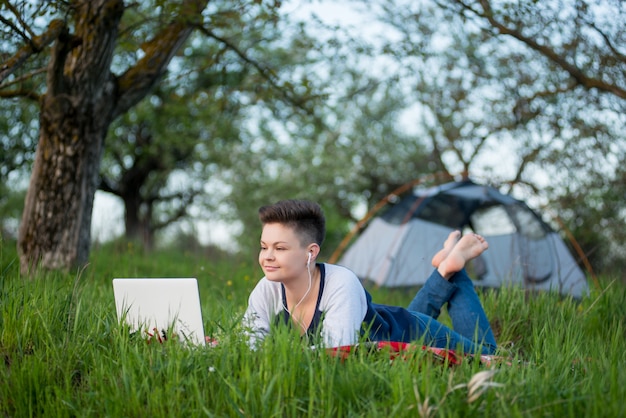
{"x": 527, "y": 222}
{"x": 492, "y": 220}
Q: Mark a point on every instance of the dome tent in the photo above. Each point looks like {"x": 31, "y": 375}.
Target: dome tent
{"x": 396, "y": 247}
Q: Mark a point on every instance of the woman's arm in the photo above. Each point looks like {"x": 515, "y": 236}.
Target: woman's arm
{"x": 343, "y": 307}
{"x": 262, "y": 303}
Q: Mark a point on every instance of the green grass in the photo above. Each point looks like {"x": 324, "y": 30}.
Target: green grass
{"x": 63, "y": 353}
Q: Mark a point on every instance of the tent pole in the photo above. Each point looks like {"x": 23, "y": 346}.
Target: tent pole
{"x": 438, "y": 177}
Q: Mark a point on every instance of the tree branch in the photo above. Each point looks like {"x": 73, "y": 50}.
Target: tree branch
{"x": 23, "y": 77}
{"x": 526, "y": 159}
{"x": 106, "y": 186}
{"x": 266, "y": 73}
{"x": 575, "y": 72}
{"x": 621, "y": 57}
{"x": 11, "y": 94}
{"x": 33, "y": 47}
{"x": 137, "y": 81}
{"x": 10, "y": 24}
{"x": 187, "y": 200}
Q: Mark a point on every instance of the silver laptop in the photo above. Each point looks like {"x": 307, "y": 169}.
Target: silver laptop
{"x": 160, "y": 308}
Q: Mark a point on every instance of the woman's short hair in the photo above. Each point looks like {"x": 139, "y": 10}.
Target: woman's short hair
{"x": 305, "y": 217}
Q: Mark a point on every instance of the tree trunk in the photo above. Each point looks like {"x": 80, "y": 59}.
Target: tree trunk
{"x": 56, "y": 223}
{"x": 82, "y": 99}
{"x": 138, "y": 222}
{"x": 76, "y": 110}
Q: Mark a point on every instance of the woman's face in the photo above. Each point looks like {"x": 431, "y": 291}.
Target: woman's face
{"x": 282, "y": 257}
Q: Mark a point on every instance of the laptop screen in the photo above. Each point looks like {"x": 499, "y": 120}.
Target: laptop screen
{"x": 160, "y": 307}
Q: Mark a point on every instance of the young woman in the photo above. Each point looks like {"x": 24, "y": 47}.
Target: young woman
{"x": 328, "y": 303}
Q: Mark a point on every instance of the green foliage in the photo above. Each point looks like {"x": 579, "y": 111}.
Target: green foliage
{"x": 304, "y": 109}
{"x": 598, "y": 224}
{"x": 11, "y": 204}
{"x": 175, "y": 153}
{"x": 64, "y": 354}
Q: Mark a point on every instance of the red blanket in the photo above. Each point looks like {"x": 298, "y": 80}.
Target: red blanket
{"x": 399, "y": 349}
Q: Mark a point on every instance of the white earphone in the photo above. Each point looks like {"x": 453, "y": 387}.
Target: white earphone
{"x": 309, "y": 260}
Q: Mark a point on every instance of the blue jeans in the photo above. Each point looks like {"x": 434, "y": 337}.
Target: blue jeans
{"x": 472, "y": 333}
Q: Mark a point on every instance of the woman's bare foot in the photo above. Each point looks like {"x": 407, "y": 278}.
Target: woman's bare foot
{"x": 450, "y": 242}
{"x": 468, "y": 247}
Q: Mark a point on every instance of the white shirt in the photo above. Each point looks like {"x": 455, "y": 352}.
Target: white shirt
{"x": 343, "y": 306}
